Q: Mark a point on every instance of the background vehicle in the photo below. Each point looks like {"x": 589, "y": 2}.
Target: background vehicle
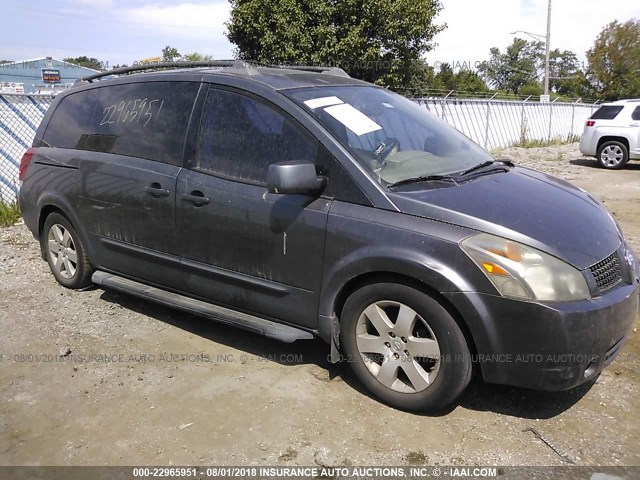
{"x": 612, "y": 134}
{"x": 304, "y": 203}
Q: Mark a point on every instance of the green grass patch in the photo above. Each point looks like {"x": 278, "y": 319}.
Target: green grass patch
{"x": 9, "y": 214}
{"x": 554, "y": 142}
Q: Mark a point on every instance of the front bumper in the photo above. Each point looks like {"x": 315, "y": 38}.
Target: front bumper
{"x": 548, "y": 347}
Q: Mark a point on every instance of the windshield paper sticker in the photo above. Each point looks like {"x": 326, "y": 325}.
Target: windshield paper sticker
{"x": 322, "y": 102}
{"x": 354, "y": 120}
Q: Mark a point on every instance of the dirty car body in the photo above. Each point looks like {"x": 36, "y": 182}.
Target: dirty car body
{"x": 193, "y": 188}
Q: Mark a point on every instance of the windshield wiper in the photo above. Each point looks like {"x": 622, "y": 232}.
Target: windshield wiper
{"x": 424, "y": 178}
{"x": 482, "y": 165}
{"x": 455, "y": 179}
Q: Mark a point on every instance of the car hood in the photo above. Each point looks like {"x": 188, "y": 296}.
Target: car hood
{"x": 524, "y": 205}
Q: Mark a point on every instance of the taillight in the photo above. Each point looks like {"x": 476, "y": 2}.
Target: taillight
{"x": 25, "y": 162}
{"x": 591, "y": 123}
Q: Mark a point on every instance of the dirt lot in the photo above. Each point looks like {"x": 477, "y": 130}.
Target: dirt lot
{"x": 181, "y": 390}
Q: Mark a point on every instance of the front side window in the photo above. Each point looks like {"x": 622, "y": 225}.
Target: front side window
{"x": 391, "y": 136}
{"x": 636, "y": 114}
{"x": 241, "y": 136}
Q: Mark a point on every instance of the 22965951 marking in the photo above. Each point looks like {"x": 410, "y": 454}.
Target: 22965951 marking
{"x": 164, "y": 472}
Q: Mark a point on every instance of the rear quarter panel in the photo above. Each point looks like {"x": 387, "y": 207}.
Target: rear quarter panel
{"x": 52, "y": 182}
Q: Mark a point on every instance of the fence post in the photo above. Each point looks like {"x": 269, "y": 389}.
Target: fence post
{"x": 573, "y": 120}
{"x": 444, "y": 104}
{"x": 523, "y": 127}
{"x": 486, "y": 131}
{"x": 551, "y": 118}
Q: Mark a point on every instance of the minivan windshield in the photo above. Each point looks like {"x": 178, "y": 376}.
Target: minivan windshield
{"x": 395, "y": 139}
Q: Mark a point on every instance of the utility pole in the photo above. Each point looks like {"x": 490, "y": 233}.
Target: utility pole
{"x": 547, "y": 66}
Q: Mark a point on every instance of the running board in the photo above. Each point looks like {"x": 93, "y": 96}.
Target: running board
{"x": 277, "y": 331}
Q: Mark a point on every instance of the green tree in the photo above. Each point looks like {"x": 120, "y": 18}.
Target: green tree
{"x": 197, "y": 57}
{"x": 86, "y": 62}
{"x": 582, "y": 87}
{"x": 423, "y": 82}
{"x": 462, "y": 81}
{"x": 565, "y": 73}
{"x": 381, "y": 41}
{"x": 533, "y": 88}
{"x": 170, "y": 54}
{"x": 518, "y": 66}
{"x": 614, "y": 61}
{"x": 446, "y": 77}
{"x": 469, "y": 81}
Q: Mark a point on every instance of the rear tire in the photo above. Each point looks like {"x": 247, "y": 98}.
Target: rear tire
{"x": 405, "y": 347}
{"x": 65, "y": 253}
{"x": 613, "y": 155}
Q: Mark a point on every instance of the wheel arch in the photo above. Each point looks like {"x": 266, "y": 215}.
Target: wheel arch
{"x": 388, "y": 276}
{"x": 53, "y": 204}
{"x": 612, "y": 138}
{"x": 44, "y": 214}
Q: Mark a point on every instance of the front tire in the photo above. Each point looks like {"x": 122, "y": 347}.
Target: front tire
{"x": 64, "y": 253}
{"x": 405, "y": 347}
{"x": 613, "y": 155}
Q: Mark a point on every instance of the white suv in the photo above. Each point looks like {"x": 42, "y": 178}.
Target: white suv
{"x": 612, "y": 134}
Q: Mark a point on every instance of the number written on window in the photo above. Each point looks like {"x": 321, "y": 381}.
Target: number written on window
{"x": 140, "y": 110}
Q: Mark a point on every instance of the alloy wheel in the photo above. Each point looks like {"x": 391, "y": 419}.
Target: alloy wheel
{"x": 612, "y": 156}
{"x": 398, "y": 347}
{"x": 62, "y": 251}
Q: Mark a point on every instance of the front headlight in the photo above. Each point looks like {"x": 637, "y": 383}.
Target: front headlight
{"x": 522, "y": 272}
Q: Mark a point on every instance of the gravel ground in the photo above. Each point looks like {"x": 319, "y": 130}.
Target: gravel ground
{"x": 113, "y": 380}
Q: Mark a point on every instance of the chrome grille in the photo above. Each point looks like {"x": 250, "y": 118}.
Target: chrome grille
{"x": 607, "y": 273}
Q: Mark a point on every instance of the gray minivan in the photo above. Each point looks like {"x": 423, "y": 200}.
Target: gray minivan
{"x": 302, "y": 203}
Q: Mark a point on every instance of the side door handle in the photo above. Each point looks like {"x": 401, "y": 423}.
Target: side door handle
{"x": 156, "y": 190}
{"x": 196, "y": 197}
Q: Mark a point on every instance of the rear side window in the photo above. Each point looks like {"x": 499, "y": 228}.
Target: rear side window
{"x": 241, "y": 136}
{"x": 145, "y": 120}
{"x": 636, "y": 114}
{"x": 607, "y": 113}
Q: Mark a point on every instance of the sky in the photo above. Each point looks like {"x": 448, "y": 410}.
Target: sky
{"x": 124, "y": 31}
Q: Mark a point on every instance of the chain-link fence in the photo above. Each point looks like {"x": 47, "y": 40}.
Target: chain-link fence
{"x": 20, "y": 116}
{"x": 491, "y": 123}
{"x": 496, "y": 123}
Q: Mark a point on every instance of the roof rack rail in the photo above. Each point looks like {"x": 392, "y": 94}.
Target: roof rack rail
{"x": 247, "y": 66}
{"x": 337, "y": 71}
{"x": 166, "y": 65}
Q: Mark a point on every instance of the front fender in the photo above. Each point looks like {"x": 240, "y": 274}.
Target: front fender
{"x": 363, "y": 241}
{"x": 429, "y": 269}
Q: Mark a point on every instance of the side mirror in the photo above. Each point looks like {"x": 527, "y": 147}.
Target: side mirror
{"x": 294, "y": 177}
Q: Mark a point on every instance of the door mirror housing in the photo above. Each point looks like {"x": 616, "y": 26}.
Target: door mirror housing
{"x": 295, "y": 177}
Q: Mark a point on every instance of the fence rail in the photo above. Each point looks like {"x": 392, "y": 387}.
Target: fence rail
{"x": 491, "y": 123}
{"x": 496, "y": 123}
